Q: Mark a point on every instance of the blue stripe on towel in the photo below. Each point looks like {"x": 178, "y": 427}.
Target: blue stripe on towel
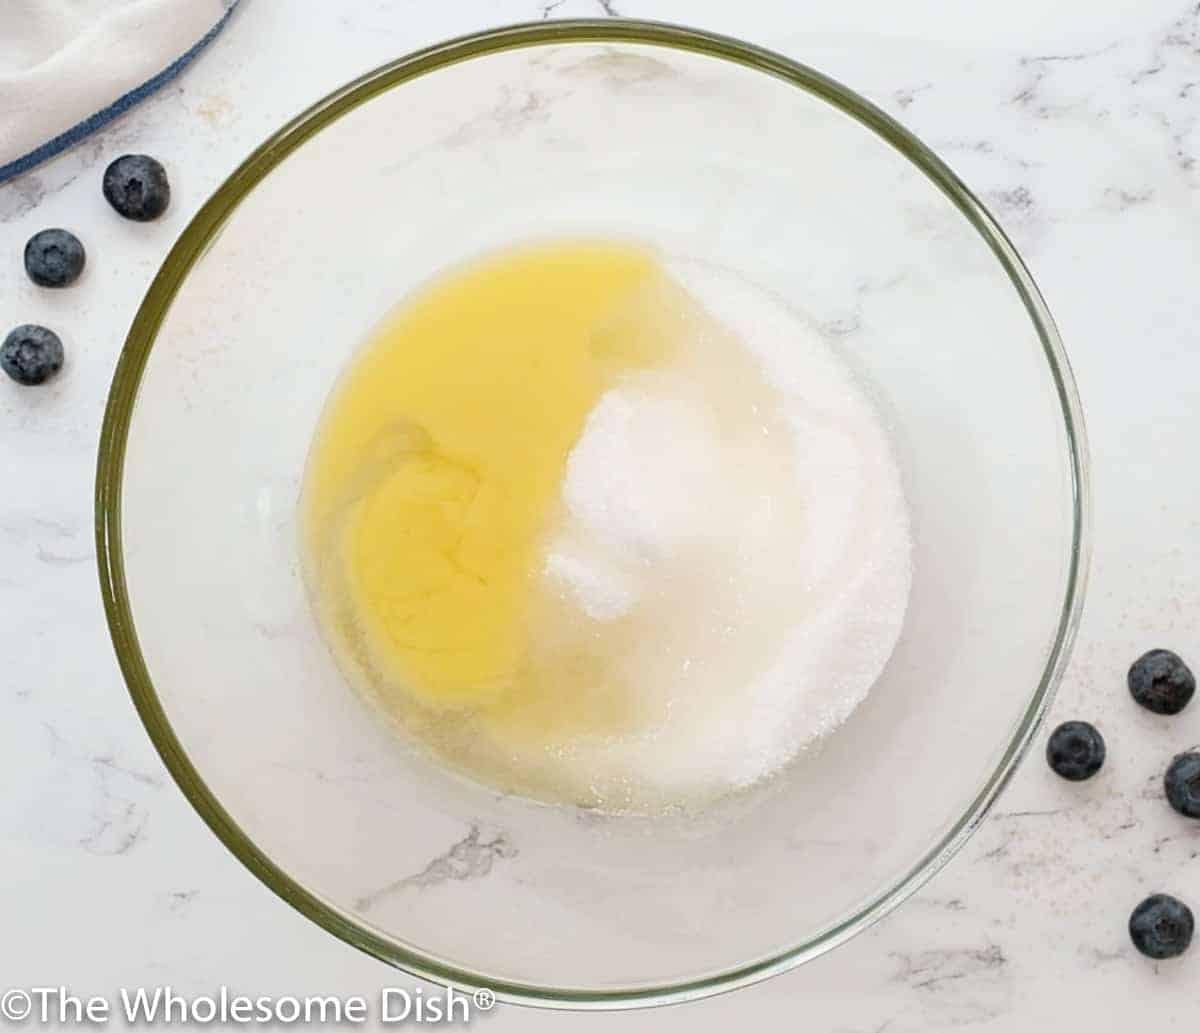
{"x": 117, "y": 107}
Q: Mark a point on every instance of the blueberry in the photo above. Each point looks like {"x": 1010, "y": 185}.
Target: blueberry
{"x": 1161, "y": 926}
{"x": 31, "y": 354}
{"x": 1075, "y": 750}
{"x": 1161, "y": 682}
{"x": 136, "y": 186}
{"x": 1182, "y": 783}
{"x": 54, "y": 258}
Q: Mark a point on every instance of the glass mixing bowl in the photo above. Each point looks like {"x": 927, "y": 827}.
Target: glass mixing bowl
{"x": 705, "y": 147}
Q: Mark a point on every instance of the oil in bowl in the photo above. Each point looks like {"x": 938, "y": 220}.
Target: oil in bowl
{"x": 601, "y": 526}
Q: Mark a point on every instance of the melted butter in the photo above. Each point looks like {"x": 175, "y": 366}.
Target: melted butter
{"x": 439, "y": 461}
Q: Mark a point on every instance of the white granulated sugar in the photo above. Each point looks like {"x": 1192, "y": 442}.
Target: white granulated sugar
{"x": 647, "y": 455}
{"x": 757, "y": 567}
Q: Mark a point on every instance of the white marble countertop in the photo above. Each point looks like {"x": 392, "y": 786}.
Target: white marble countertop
{"x": 1079, "y": 125}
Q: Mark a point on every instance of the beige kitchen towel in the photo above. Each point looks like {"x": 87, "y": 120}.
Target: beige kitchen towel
{"x": 69, "y": 66}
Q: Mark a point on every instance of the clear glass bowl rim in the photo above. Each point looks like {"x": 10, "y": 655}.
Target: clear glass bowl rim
{"x": 198, "y": 236}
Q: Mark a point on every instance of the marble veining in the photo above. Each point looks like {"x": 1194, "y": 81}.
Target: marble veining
{"x": 118, "y": 816}
{"x": 471, "y": 857}
{"x": 1077, "y": 124}
{"x": 176, "y": 904}
{"x": 592, "y": 8}
{"x": 965, "y": 985}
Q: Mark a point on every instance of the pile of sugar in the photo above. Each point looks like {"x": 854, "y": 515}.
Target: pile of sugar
{"x": 766, "y": 580}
